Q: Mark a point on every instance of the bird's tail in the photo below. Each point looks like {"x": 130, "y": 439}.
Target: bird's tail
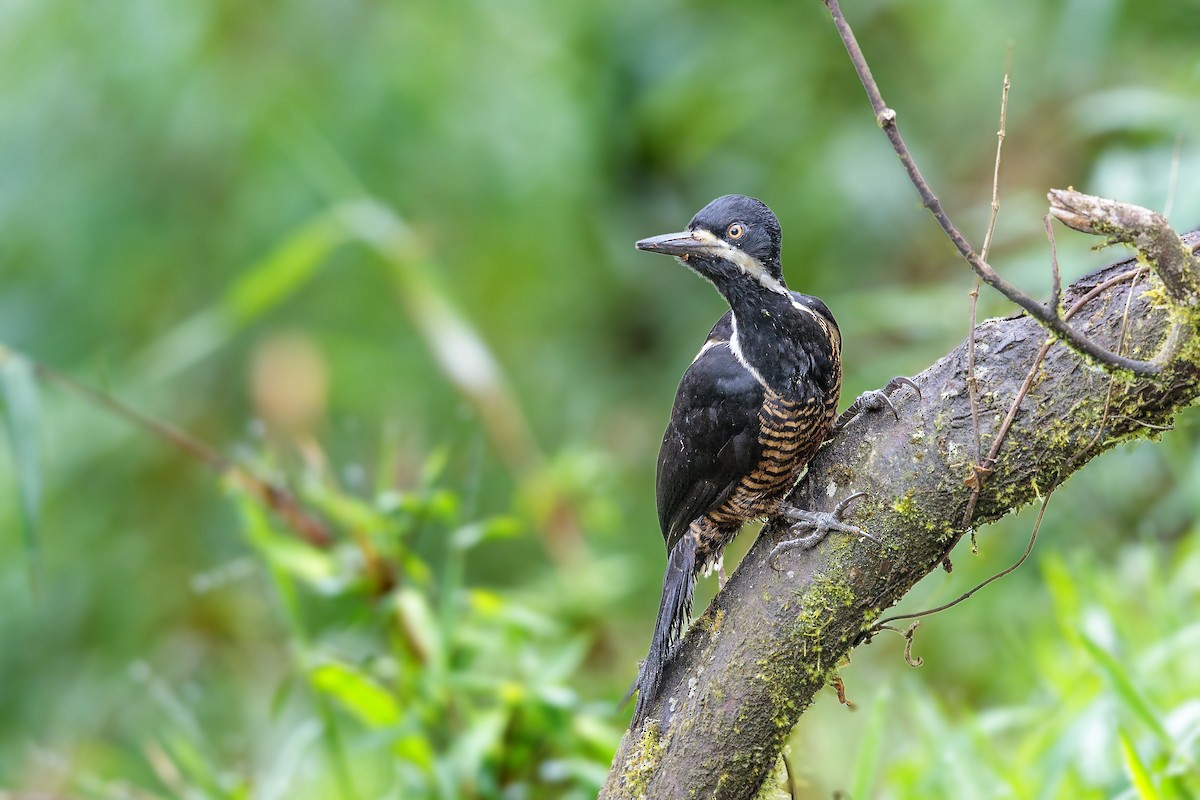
{"x": 673, "y": 611}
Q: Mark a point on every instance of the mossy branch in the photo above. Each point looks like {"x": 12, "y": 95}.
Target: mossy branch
{"x": 752, "y": 663}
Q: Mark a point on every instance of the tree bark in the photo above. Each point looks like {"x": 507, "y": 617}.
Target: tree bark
{"x": 771, "y": 639}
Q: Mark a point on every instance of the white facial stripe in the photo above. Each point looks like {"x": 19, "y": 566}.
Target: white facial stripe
{"x": 744, "y": 261}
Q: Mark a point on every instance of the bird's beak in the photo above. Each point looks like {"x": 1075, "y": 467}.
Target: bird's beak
{"x": 681, "y": 244}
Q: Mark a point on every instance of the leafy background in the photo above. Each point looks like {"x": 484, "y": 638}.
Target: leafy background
{"x": 382, "y": 252}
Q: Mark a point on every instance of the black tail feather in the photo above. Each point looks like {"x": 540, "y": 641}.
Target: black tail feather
{"x": 673, "y": 612}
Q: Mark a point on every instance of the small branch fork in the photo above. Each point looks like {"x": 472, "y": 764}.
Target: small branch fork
{"x": 1182, "y": 286}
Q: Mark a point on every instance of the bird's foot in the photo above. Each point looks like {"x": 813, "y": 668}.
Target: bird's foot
{"x": 721, "y": 576}
{"x": 819, "y": 524}
{"x": 876, "y": 400}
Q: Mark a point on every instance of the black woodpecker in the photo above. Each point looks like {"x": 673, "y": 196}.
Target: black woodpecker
{"x": 756, "y": 404}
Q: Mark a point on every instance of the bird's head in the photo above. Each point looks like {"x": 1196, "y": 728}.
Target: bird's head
{"x": 730, "y": 238}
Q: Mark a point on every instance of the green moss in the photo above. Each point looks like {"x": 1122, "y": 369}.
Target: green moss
{"x": 775, "y": 785}
{"x": 841, "y": 475}
{"x": 905, "y": 506}
{"x": 1156, "y": 295}
{"x": 642, "y": 763}
{"x": 1189, "y": 318}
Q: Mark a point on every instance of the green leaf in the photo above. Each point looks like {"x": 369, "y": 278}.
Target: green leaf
{"x": 348, "y": 511}
{"x": 280, "y": 696}
{"x": 468, "y": 536}
{"x": 1137, "y": 771}
{"x": 419, "y": 626}
{"x": 434, "y": 466}
{"x": 866, "y": 766}
{"x": 357, "y": 692}
{"x": 481, "y": 738}
{"x": 415, "y": 748}
{"x": 18, "y": 387}
{"x": 262, "y": 285}
{"x": 1121, "y": 682}
{"x": 314, "y": 567}
{"x": 266, "y": 283}
{"x": 287, "y": 555}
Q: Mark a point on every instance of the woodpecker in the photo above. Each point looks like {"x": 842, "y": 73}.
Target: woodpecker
{"x": 751, "y": 411}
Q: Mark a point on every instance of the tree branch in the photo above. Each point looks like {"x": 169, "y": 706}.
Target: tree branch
{"x": 751, "y": 664}
{"x": 1047, "y": 315}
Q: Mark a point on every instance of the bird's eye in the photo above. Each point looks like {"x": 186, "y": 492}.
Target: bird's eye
{"x": 735, "y": 231}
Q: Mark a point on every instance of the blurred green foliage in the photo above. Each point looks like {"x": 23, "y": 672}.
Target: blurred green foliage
{"x": 382, "y": 252}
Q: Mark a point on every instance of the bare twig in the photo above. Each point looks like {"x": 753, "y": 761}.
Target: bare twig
{"x": 886, "y": 118}
{"x": 1000, "y": 134}
{"x": 1055, "y": 275}
{"x": 972, "y": 379}
{"x": 271, "y": 495}
{"x": 965, "y": 595}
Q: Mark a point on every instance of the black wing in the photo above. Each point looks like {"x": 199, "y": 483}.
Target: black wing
{"x": 711, "y": 441}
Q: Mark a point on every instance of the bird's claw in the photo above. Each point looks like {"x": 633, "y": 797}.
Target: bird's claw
{"x": 876, "y": 400}
{"x": 821, "y": 523}
{"x": 841, "y": 507}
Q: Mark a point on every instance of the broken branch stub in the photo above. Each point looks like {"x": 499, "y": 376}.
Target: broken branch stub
{"x": 1147, "y": 231}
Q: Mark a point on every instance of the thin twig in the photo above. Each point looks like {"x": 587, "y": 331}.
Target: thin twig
{"x": 168, "y": 433}
{"x": 972, "y": 379}
{"x": 927, "y": 612}
{"x": 908, "y": 645}
{"x": 1000, "y": 134}
{"x": 1143, "y": 424}
{"x": 1055, "y": 275}
{"x": 886, "y": 118}
{"x": 269, "y": 494}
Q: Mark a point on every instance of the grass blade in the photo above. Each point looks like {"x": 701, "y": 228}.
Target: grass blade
{"x": 1137, "y": 771}
{"x": 261, "y": 286}
{"x": 866, "y": 766}
{"x": 1126, "y": 690}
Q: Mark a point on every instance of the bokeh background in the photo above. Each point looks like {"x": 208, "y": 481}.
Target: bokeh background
{"x": 381, "y": 252}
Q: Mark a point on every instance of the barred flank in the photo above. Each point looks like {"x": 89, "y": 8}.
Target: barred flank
{"x": 791, "y": 433}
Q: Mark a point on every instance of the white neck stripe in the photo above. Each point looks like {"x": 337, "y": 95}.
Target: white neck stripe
{"x": 736, "y": 347}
